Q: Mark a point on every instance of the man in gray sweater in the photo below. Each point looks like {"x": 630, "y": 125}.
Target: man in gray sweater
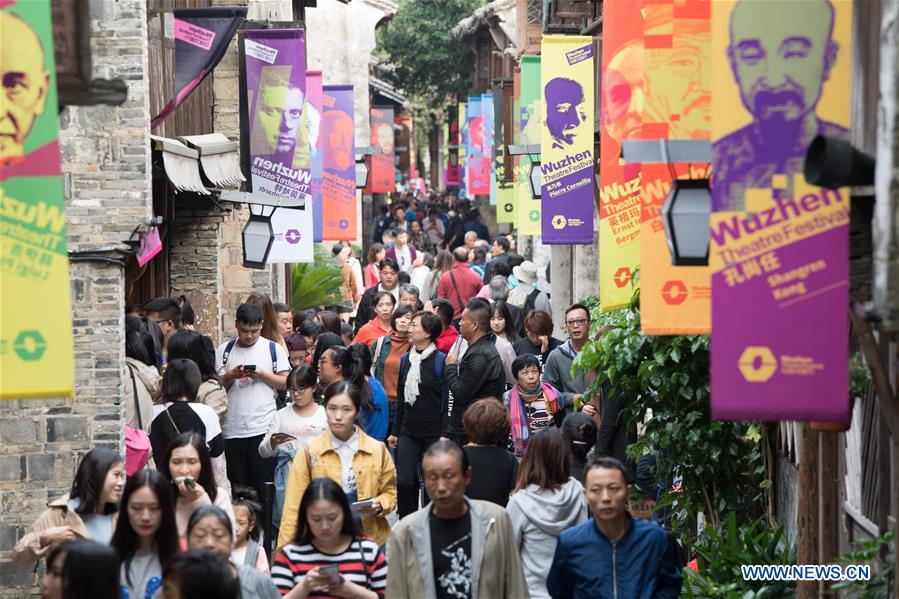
{"x": 557, "y": 371}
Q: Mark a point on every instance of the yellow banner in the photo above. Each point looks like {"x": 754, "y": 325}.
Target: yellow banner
{"x": 528, "y": 210}
{"x": 36, "y": 357}
{"x": 677, "y": 66}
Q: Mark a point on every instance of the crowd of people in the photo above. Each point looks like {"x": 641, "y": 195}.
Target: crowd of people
{"x": 428, "y": 440}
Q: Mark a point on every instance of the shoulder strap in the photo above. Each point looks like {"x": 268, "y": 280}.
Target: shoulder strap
{"x": 274, "y": 353}
{"x": 456, "y": 289}
{"x": 439, "y": 359}
{"x": 172, "y": 420}
{"x": 532, "y": 300}
{"x": 227, "y": 351}
{"x": 140, "y": 421}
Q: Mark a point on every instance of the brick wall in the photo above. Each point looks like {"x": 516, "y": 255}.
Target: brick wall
{"x": 105, "y": 161}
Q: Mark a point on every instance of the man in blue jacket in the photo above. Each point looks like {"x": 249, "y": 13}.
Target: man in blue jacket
{"x": 612, "y": 555}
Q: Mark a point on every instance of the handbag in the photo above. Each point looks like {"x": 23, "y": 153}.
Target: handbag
{"x": 137, "y": 441}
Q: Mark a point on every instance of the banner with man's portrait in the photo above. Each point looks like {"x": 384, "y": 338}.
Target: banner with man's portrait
{"x": 36, "y": 357}
{"x": 382, "y": 178}
{"x": 566, "y": 142}
{"x": 313, "y": 119}
{"x": 487, "y": 141}
{"x": 619, "y": 183}
{"x": 463, "y": 149}
{"x": 779, "y": 251}
{"x": 274, "y": 63}
{"x": 339, "y": 184}
{"x": 477, "y": 168}
{"x": 677, "y": 78}
{"x": 530, "y": 123}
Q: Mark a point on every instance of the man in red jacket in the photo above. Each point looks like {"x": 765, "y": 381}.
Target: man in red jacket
{"x": 460, "y": 284}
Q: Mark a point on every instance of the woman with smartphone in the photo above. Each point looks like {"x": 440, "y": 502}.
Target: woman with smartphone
{"x": 187, "y": 465}
{"x": 328, "y": 555}
{"x": 291, "y": 428}
{"x": 145, "y": 537}
{"x": 344, "y": 453}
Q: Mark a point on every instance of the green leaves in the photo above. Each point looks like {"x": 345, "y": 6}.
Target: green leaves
{"x": 316, "y": 284}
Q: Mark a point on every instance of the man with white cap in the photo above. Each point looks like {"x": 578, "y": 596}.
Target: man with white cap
{"x": 527, "y": 296}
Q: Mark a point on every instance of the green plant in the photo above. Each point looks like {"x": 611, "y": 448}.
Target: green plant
{"x": 859, "y": 375}
{"x": 317, "y": 283}
{"x": 883, "y": 575}
{"x": 720, "y": 553}
{"x": 720, "y": 464}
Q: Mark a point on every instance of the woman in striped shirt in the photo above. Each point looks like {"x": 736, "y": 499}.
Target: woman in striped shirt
{"x": 329, "y": 557}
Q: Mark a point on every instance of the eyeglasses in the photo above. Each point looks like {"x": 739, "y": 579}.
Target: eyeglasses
{"x": 577, "y": 322}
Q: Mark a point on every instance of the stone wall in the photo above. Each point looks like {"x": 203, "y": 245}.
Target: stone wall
{"x": 105, "y": 161}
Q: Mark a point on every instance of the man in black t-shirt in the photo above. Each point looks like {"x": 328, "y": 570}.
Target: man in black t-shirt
{"x": 455, "y": 540}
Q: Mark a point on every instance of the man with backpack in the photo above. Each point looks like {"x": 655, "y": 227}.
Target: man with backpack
{"x": 527, "y": 296}
{"x": 252, "y": 369}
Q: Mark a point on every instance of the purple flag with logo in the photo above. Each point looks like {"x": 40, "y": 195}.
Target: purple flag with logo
{"x": 201, "y": 38}
{"x": 274, "y": 134}
{"x": 339, "y": 180}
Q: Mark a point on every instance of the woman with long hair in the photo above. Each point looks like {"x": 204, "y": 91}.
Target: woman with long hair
{"x": 179, "y": 411}
{"x": 269, "y": 318}
{"x": 546, "y": 500}
{"x": 145, "y": 537}
{"x": 386, "y": 354}
{"x": 142, "y": 380}
{"x": 291, "y": 428}
{"x": 81, "y": 569}
{"x": 323, "y": 343}
{"x": 347, "y": 455}
{"x": 210, "y": 529}
{"x": 376, "y": 253}
{"x": 329, "y": 320}
{"x": 190, "y": 345}
{"x": 501, "y": 321}
{"x": 327, "y": 536}
{"x": 442, "y": 263}
{"x": 375, "y": 409}
{"x": 88, "y": 511}
{"x": 383, "y": 304}
{"x": 187, "y": 466}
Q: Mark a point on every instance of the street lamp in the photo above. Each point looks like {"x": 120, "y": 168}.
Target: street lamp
{"x": 258, "y": 237}
{"x": 535, "y": 180}
{"x": 363, "y": 171}
{"x": 533, "y": 152}
{"x": 686, "y": 217}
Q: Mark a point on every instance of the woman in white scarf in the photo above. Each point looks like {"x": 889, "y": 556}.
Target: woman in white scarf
{"x": 420, "y": 399}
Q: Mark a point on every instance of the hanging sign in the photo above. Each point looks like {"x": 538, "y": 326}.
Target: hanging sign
{"x": 779, "y": 251}
{"x": 529, "y": 126}
{"x": 313, "y": 119}
{"x": 502, "y": 165}
{"x": 478, "y": 165}
{"x": 339, "y": 182}
{"x": 274, "y": 62}
{"x": 36, "y": 355}
{"x": 381, "y": 176}
{"x": 674, "y": 300}
{"x": 452, "y": 160}
{"x": 619, "y": 183}
{"x": 488, "y": 140}
{"x": 566, "y": 143}
{"x": 463, "y": 146}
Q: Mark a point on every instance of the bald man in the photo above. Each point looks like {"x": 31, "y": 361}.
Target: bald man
{"x": 780, "y": 65}
{"x": 338, "y": 129}
{"x": 25, "y": 84}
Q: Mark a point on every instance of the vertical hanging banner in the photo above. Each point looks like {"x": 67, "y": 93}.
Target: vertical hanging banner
{"x": 619, "y": 183}
{"x": 489, "y": 136}
{"x": 452, "y": 159}
{"x": 530, "y": 125}
{"x": 202, "y": 36}
{"x": 381, "y": 177}
{"x": 339, "y": 182}
{"x": 313, "y": 119}
{"x": 36, "y": 355}
{"x": 274, "y": 62}
{"x": 779, "y": 251}
{"x": 477, "y": 169}
{"x": 674, "y": 300}
{"x": 463, "y": 147}
{"x": 566, "y": 142}
{"x": 502, "y": 165}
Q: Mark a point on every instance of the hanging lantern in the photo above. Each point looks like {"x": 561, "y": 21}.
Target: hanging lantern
{"x": 258, "y": 237}
{"x": 686, "y": 216}
{"x": 534, "y": 178}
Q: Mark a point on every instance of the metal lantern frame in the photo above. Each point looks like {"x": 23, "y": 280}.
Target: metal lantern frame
{"x": 258, "y": 225}
{"x": 681, "y": 221}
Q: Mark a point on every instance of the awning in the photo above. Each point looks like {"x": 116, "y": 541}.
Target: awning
{"x": 183, "y": 158}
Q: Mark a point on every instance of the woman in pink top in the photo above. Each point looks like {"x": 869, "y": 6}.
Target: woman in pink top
{"x": 376, "y": 253}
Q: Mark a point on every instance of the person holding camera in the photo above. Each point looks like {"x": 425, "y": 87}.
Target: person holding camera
{"x": 252, "y": 369}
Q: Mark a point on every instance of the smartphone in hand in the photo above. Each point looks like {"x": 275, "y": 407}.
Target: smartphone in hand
{"x": 365, "y": 504}
{"x": 249, "y": 368}
{"x": 332, "y": 573}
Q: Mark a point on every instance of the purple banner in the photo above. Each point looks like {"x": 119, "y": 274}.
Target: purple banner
{"x": 477, "y": 166}
{"x": 316, "y": 163}
{"x": 339, "y": 182}
{"x": 274, "y": 62}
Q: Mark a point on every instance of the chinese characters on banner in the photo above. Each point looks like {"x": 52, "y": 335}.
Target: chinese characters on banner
{"x": 674, "y": 300}
{"x": 36, "y": 356}
{"x": 277, "y": 135}
{"x": 566, "y": 142}
{"x": 381, "y": 176}
{"x": 505, "y": 191}
{"x": 529, "y": 126}
{"x": 313, "y": 119}
{"x": 619, "y": 183}
{"x": 779, "y": 251}
{"x": 339, "y": 182}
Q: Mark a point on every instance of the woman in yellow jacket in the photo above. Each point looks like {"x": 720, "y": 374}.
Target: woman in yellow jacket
{"x": 360, "y": 464}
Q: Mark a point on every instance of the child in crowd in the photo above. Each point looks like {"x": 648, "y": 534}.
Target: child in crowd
{"x": 247, "y": 550}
